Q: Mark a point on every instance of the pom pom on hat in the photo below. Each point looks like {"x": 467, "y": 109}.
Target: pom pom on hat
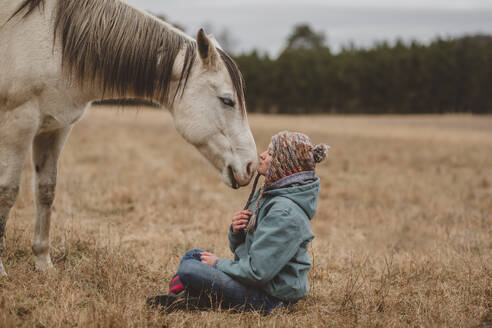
{"x": 320, "y": 152}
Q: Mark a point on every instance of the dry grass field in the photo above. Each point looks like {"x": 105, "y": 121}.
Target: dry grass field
{"x": 403, "y": 230}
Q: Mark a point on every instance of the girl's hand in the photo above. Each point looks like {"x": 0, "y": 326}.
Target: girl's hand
{"x": 240, "y": 220}
{"x": 208, "y": 258}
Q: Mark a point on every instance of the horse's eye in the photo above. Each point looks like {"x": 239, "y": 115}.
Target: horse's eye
{"x": 227, "y": 101}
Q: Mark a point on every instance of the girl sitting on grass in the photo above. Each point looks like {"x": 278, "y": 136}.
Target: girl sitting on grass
{"x": 269, "y": 239}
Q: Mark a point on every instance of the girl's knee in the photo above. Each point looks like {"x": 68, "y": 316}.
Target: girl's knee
{"x": 193, "y": 252}
{"x": 191, "y": 255}
{"x": 187, "y": 271}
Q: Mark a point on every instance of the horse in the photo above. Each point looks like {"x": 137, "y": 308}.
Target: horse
{"x": 58, "y": 56}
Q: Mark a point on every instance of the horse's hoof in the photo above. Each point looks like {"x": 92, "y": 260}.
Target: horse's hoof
{"x": 43, "y": 263}
{"x": 2, "y": 270}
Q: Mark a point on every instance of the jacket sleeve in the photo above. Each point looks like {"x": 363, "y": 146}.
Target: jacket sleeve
{"x": 235, "y": 239}
{"x": 276, "y": 240}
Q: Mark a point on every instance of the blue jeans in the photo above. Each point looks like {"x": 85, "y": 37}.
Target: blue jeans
{"x": 202, "y": 280}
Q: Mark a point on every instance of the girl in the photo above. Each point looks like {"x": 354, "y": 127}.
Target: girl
{"x": 269, "y": 239}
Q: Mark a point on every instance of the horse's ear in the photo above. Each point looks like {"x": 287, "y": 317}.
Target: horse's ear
{"x": 206, "y": 49}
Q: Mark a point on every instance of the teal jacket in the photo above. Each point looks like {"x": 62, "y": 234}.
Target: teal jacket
{"x": 274, "y": 257}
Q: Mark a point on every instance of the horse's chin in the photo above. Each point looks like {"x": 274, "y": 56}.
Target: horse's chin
{"x": 228, "y": 178}
{"x": 232, "y": 179}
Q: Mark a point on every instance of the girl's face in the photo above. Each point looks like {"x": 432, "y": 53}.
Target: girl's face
{"x": 265, "y": 159}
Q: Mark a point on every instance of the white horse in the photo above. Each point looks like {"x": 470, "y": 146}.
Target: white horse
{"x": 56, "y": 56}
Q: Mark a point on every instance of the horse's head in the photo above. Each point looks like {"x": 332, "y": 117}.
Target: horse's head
{"x": 211, "y": 114}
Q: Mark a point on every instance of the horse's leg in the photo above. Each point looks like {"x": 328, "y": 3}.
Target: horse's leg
{"x": 10, "y": 171}
{"x": 17, "y": 129}
{"x": 46, "y": 150}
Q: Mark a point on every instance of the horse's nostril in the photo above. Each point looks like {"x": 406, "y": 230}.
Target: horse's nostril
{"x": 248, "y": 168}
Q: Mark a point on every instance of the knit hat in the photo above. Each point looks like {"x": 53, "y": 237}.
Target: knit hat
{"x": 293, "y": 152}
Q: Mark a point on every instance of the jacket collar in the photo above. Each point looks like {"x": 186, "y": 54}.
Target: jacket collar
{"x": 296, "y": 179}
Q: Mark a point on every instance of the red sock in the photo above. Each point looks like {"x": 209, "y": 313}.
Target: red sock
{"x": 175, "y": 286}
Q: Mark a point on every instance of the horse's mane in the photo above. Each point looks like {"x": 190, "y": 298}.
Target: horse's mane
{"x": 122, "y": 49}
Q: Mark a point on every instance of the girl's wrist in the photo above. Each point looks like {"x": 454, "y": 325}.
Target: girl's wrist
{"x": 234, "y": 232}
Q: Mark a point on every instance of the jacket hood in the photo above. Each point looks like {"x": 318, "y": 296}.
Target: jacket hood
{"x": 305, "y": 196}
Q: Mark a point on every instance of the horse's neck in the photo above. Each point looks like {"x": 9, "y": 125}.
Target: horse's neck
{"x": 121, "y": 66}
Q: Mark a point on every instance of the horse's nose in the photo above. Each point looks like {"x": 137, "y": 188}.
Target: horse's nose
{"x": 244, "y": 176}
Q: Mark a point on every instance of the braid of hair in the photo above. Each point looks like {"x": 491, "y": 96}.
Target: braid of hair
{"x": 252, "y": 221}
{"x": 252, "y": 192}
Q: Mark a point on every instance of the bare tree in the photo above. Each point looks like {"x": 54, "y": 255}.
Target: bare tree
{"x": 303, "y": 37}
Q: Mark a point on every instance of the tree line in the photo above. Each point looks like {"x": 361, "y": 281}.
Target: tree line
{"x": 447, "y": 75}
{"x": 444, "y": 76}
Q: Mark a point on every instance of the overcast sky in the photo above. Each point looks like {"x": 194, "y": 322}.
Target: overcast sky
{"x": 265, "y": 24}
